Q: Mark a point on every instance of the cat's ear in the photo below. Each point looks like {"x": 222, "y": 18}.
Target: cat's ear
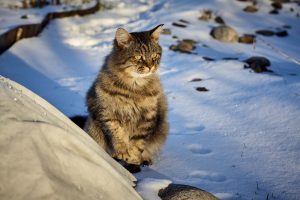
{"x": 156, "y": 32}
{"x": 123, "y": 38}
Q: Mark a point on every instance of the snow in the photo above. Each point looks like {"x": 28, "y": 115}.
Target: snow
{"x": 149, "y": 187}
{"x": 239, "y": 140}
{"x": 12, "y": 13}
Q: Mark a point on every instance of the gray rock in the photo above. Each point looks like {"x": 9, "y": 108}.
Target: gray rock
{"x": 184, "y": 192}
{"x": 224, "y": 34}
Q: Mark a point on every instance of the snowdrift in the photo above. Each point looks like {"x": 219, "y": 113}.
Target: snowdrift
{"x": 45, "y": 156}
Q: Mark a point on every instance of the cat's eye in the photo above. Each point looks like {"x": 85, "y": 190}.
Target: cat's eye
{"x": 155, "y": 56}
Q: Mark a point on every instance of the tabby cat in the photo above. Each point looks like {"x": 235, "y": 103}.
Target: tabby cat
{"x": 126, "y": 103}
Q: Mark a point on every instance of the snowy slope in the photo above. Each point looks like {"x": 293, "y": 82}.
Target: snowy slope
{"x": 239, "y": 140}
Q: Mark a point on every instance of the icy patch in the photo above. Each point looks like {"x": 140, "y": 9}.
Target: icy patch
{"x": 148, "y": 188}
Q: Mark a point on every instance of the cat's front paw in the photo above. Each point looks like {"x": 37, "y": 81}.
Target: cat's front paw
{"x": 146, "y": 158}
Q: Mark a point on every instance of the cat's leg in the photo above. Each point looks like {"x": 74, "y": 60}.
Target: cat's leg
{"x": 121, "y": 147}
{"x": 156, "y": 140}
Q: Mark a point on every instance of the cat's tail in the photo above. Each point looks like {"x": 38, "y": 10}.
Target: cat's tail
{"x": 79, "y": 120}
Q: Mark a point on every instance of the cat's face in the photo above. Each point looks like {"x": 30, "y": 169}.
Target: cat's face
{"x": 138, "y": 53}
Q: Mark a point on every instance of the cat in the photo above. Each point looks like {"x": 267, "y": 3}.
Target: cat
{"x": 126, "y": 103}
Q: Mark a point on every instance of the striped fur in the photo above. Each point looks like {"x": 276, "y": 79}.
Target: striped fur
{"x": 126, "y": 104}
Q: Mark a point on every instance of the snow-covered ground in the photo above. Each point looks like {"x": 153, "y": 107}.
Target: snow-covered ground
{"x": 239, "y": 140}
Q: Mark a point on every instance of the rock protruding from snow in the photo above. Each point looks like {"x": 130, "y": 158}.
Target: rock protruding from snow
{"x": 247, "y": 39}
{"x": 46, "y": 156}
{"x": 258, "y": 64}
{"x": 184, "y": 46}
{"x": 182, "y": 192}
{"x": 250, "y": 9}
{"x": 224, "y": 34}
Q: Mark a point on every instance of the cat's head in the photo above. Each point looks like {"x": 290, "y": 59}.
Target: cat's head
{"x": 137, "y": 54}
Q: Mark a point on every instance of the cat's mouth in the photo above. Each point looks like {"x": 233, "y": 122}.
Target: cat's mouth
{"x": 143, "y": 72}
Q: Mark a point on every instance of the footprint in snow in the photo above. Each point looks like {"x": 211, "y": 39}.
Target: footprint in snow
{"x": 194, "y": 127}
{"x": 206, "y": 175}
{"x": 198, "y": 149}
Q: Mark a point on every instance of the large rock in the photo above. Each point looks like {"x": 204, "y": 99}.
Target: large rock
{"x": 184, "y": 192}
{"x": 44, "y": 155}
{"x": 224, "y": 34}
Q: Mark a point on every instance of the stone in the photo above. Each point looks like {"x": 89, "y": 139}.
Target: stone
{"x": 224, "y": 33}
{"x": 184, "y": 21}
{"x": 274, "y": 12}
{"x": 184, "y": 46}
{"x": 208, "y": 58}
{"x": 276, "y": 5}
{"x": 282, "y": 33}
{"x": 219, "y": 20}
{"x": 202, "y": 89}
{"x": 178, "y": 25}
{"x": 258, "y": 64}
{"x": 196, "y": 80}
{"x": 206, "y": 15}
{"x": 265, "y": 32}
{"x": 184, "y": 192}
{"x": 247, "y": 39}
{"x": 166, "y": 31}
{"x": 250, "y": 9}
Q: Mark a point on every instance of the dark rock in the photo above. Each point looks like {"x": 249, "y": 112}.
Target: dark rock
{"x": 178, "y": 25}
{"x": 247, "y": 39}
{"x": 224, "y": 33}
{"x": 184, "y": 21}
{"x": 230, "y": 58}
{"x": 250, "y": 9}
{"x": 196, "y": 80}
{"x": 206, "y": 15}
{"x": 282, "y": 33}
{"x": 166, "y": 31}
{"x": 277, "y": 5}
{"x": 202, "y": 89}
{"x": 265, "y": 32}
{"x": 274, "y": 12}
{"x": 184, "y": 192}
{"x": 174, "y": 36}
{"x": 292, "y": 9}
{"x": 208, "y": 58}
{"x": 219, "y": 20}
{"x": 24, "y": 17}
{"x": 287, "y": 26}
{"x": 258, "y": 64}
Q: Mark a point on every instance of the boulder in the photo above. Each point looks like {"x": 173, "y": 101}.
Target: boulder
{"x": 184, "y": 192}
{"x": 224, "y": 34}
